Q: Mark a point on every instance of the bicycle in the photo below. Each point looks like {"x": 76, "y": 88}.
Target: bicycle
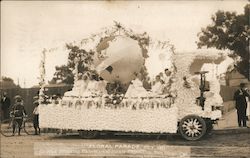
{"x": 8, "y": 124}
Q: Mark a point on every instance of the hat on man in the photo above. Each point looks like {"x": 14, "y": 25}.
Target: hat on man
{"x": 36, "y": 102}
{"x": 35, "y": 97}
{"x": 18, "y": 98}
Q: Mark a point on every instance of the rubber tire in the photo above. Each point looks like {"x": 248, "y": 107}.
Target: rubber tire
{"x": 9, "y": 132}
{"x": 85, "y": 134}
{"x": 29, "y": 126}
{"x": 203, "y": 128}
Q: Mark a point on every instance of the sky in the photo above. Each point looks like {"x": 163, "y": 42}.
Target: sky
{"x": 27, "y": 27}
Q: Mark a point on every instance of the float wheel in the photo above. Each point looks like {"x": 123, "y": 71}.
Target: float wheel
{"x": 192, "y": 127}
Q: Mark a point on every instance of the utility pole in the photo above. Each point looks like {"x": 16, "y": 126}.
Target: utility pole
{"x": 18, "y": 81}
{"x": 24, "y": 83}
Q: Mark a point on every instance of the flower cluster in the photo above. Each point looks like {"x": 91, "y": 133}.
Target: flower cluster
{"x": 128, "y": 103}
{"x": 42, "y": 78}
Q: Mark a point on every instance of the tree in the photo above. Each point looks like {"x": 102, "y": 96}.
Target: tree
{"x": 229, "y": 31}
{"x": 65, "y": 73}
{"x": 7, "y": 83}
{"x": 80, "y": 56}
{"x": 7, "y": 79}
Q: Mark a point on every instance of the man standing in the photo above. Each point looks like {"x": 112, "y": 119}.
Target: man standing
{"x": 241, "y": 104}
{"x": 5, "y": 102}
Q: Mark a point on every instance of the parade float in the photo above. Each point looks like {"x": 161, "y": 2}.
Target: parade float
{"x": 125, "y": 90}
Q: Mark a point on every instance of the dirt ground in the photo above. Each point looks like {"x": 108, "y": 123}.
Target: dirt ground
{"x": 53, "y": 145}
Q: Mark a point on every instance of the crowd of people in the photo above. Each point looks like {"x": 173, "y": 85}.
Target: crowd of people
{"x": 162, "y": 83}
{"x": 16, "y": 112}
{"x": 92, "y": 85}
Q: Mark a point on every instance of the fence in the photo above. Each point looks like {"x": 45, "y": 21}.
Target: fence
{"x": 28, "y": 93}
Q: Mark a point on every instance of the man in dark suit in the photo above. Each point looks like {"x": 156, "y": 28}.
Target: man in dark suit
{"x": 241, "y": 104}
{"x": 5, "y": 103}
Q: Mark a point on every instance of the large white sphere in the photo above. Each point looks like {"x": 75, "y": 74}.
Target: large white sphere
{"x": 122, "y": 59}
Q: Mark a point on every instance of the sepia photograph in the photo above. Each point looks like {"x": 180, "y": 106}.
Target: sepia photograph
{"x": 125, "y": 79}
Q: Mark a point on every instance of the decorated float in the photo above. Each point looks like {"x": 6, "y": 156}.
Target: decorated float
{"x": 135, "y": 83}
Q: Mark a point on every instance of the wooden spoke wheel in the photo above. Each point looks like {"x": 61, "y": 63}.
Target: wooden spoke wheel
{"x": 29, "y": 126}
{"x": 192, "y": 127}
{"x": 8, "y": 127}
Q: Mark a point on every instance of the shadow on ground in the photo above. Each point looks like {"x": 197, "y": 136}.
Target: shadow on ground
{"x": 238, "y": 139}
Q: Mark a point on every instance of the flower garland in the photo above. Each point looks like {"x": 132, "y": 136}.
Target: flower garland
{"x": 98, "y": 102}
{"x": 42, "y": 77}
